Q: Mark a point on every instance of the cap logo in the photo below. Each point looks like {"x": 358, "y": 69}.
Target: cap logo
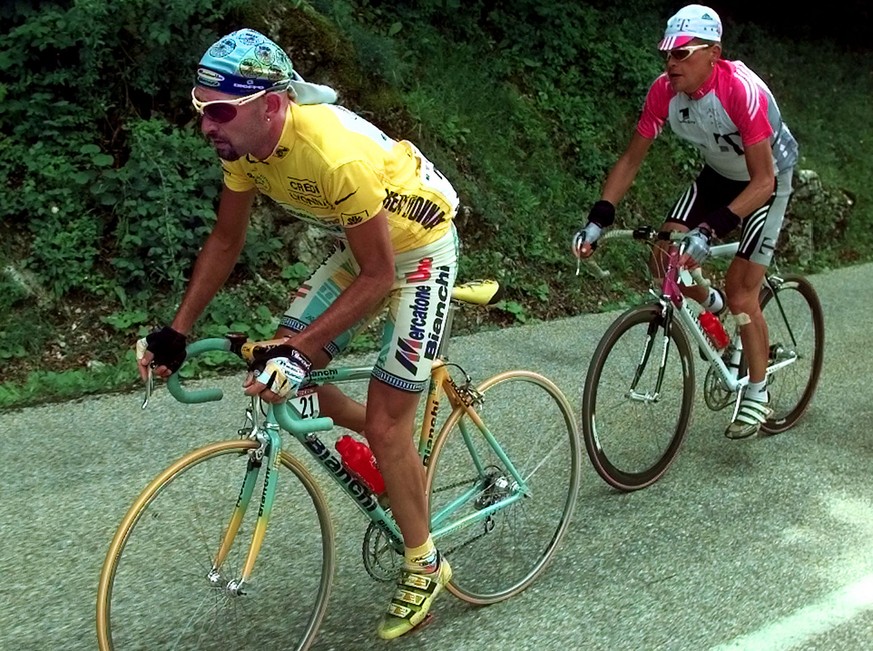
{"x": 222, "y": 48}
{"x": 207, "y": 77}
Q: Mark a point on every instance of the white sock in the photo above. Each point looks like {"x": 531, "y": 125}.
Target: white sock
{"x": 757, "y": 391}
{"x": 713, "y": 303}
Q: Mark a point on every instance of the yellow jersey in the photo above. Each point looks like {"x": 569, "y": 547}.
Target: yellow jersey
{"x": 333, "y": 168}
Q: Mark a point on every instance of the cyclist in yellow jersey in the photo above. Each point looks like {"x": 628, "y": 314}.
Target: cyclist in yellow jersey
{"x": 392, "y": 214}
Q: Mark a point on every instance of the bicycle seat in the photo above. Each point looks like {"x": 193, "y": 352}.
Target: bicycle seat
{"x": 478, "y": 292}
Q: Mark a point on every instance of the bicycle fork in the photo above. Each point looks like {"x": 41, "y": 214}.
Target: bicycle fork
{"x": 662, "y": 323}
{"x": 268, "y": 452}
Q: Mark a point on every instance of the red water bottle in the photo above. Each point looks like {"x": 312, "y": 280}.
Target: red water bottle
{"x": 359, "y": 460}
{"x": 714, "y": 329}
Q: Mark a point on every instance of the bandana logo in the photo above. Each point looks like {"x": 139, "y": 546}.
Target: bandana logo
{"x": 249, "y": 37}
{"x": 207, "y": 77}
{"x": 222, "y": 48}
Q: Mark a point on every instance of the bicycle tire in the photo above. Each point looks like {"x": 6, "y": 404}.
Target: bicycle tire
{"x": 534, "y": 425}
{"x": 798, "y": 327}
{"x": 631, "y": 441}
{"x": 154, "y": 592}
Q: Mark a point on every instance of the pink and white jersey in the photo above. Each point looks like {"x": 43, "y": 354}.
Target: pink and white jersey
{"x": 732, "y": 110}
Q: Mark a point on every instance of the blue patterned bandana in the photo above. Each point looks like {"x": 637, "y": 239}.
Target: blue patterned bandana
{"x": 243, "y": 63}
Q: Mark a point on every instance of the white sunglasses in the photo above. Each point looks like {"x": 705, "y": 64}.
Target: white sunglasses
{"x": 682, "y": 53}
{"x": 224, "y": 110}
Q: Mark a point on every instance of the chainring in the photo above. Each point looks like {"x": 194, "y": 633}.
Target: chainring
{"x": 715, "y": 394}
{"x": 381, "y": 560}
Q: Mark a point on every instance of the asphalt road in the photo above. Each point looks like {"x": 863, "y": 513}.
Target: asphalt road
{"x": 759, "y": 544}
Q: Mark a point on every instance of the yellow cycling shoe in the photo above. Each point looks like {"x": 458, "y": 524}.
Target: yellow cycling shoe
{"x": 412, "y": 600}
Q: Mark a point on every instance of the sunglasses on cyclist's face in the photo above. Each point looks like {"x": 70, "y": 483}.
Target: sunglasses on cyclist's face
{"x": 682, "y": 53}
{"x": 223, "y": 110}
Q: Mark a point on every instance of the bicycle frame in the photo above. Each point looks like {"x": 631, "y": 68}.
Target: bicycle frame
{"x": 300, "y": 417}
{"x": 674, "y": 303}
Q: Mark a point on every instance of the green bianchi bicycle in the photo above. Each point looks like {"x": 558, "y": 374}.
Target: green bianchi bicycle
{"x": 193, "y": 566}
{"x": 640, "y": 386}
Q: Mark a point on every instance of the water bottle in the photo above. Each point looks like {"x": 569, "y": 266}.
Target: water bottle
{"x": 714, "y": 329}
{"x": 358, "y": 459}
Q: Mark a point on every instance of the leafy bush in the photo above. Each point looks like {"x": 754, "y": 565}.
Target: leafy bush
{"x": 88, "y": 89}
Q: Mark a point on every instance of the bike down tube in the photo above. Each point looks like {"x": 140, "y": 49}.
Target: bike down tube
{"x": 304, "y": 430}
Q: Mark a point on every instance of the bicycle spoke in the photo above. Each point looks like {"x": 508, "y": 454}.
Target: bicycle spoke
{"x": 500, "y": 553}
{"x": 795, "y": 324}
{"x": 638, "y": 399}
{"x": 157, "y": 592}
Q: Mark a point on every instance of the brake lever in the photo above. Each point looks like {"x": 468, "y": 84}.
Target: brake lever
{"x": 149, "y": 387}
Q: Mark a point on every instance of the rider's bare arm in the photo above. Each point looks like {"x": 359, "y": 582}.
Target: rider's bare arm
{"x": 217, "y": 257}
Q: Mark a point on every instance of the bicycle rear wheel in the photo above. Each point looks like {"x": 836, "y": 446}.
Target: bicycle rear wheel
{"x": 532, "y": 422}
{"x": 155, "y": 591}
{"x": 795, "y": 322}
{"x": 632, "y": 430}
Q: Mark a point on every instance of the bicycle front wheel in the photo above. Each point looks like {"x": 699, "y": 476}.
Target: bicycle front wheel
{"x": 534, "y": 433}
{"x": 638, "y": 398}
{"x": 156, "y": 587}
{"x": 795, "y": 323}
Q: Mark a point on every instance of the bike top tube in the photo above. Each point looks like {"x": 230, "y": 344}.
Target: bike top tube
{"x": 476, "y": 292}
{"x": 649, "y": 234}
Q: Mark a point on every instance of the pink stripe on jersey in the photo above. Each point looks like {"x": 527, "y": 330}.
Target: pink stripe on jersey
{"x": 737, "y": 89}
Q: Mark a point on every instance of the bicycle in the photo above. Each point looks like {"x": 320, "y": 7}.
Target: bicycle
{"x": 500, "y": 495}
{"x": 638, "y": 395}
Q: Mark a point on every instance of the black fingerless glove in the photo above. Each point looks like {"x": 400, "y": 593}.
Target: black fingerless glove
{"x": 168, "y": 347}
{"x": 602, "y": 213}
{"x": 261, "y": 356}
{"x": 722, "y": 221}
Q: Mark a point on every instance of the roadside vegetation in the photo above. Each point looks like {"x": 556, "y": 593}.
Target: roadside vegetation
{"x": 109, "y": 189}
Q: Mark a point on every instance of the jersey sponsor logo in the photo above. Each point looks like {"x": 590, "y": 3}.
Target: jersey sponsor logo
{"x": 306, "y": 193}
{"x": 352, "y": 219}
{"x": 281, "y": 152}
{"x": 732, "y": 142}
{"x": 409, "y": 347}
{"x": 414, "y": 208}
{"x": 350, "y": 194}
{"x": 303, "y": 186}
{"x": 254, "y": 161}
{"x": 260, "y": 181}
{"x": 308, "y": 200}
{"x": 685, "y": 116}
{"x": 433, "y": 338}
{"x": 423, "y": 272}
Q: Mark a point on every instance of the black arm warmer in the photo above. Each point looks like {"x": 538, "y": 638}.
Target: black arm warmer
{"x": 602, "y": 213}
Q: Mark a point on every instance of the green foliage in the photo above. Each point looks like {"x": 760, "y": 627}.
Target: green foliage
{"x": 81, "y": 82}
{"x": 162, "y": 203}
{"x": 109, "y": 190}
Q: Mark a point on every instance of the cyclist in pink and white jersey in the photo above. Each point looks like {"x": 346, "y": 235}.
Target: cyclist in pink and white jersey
{"x": 730, "y": 115}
